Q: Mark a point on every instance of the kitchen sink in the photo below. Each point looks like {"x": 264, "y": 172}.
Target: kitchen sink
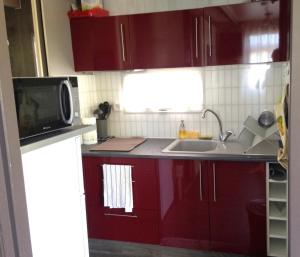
{"x": 191, "y": 146}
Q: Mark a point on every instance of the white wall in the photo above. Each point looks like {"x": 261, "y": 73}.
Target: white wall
{"x": 119, "y": 7}
{"x": 58, "y": 37}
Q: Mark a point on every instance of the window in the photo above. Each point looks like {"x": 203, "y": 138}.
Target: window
{"x": 164, "y": 90}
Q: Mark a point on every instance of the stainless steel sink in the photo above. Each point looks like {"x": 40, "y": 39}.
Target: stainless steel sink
{"x": 191, "y": 146}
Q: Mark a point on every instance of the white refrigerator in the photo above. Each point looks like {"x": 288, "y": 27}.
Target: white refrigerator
{"x": 56, "y": 200}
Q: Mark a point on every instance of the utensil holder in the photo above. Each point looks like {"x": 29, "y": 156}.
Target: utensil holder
{"x": 102, "y": 129}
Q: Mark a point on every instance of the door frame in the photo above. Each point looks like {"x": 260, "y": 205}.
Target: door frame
{"x": 14, "y": 226}
{"x": 294, "y": 140}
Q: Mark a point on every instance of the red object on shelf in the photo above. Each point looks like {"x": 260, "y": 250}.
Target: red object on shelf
{"x": 95, "y": 12}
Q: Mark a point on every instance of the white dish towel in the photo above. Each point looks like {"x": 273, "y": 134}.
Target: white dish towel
{"x": 117, "y": 186}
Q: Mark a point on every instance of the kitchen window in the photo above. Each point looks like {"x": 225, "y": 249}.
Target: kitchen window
{"x": 163, "y": 90}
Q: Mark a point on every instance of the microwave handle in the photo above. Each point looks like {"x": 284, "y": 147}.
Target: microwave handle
{"x": 68, "y": 85}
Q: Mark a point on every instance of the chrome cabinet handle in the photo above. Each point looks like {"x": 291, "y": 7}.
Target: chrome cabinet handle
{"x": 200, "y": 173}
{"x": 214, "y": 178}
{"x": 209, "y": 36}
{"x": 196, "y": 38}
{"x": 120, "y": 215}
{"x": 122, "y": 42}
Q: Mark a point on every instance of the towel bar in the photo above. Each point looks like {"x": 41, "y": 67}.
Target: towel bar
{"x": 118, "y": 164}
{"x": 133, "y": 181}
{"x": 120, "y": 215}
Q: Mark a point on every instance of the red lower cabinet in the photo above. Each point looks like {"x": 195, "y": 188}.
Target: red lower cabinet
{"x": 238, "y": 207}
{"x": 219, "y": 206}
{"x": 184, "y": 204}
{"x": 206, "y": 205}
{"x": 142, "y": 224}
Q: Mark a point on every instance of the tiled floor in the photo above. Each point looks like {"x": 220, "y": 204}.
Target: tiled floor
{"x": 103, "y": 248}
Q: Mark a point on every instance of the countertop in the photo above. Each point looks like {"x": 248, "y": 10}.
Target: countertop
{"x": 37, "y": 142}
{"x": 152, "y": 148}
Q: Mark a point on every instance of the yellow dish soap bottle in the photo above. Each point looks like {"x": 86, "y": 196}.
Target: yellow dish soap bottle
{"x": 182, "y": 131}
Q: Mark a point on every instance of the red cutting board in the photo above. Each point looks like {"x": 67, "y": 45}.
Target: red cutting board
{"x": 119, "y": 144}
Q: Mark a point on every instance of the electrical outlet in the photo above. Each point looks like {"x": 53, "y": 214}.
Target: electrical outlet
{"x": 116, "y": 107}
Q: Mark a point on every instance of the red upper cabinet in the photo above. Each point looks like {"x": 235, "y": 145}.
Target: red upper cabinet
{"x": 160, "y": 40}
{"x": 184, "y": 204}
{"x": 100, "y": 43}
{"x": 238, "y": 207}
{"x": 245, "y": 33}
{"x": 82, "y": 43}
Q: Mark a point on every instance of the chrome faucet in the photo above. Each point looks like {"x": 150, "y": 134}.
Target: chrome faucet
{"x": 222, "y": 136}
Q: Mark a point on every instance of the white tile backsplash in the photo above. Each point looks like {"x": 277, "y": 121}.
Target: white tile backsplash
{"x": 232, "y": 100}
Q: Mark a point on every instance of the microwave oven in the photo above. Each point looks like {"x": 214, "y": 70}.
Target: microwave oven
{"x": 43, "y": 105}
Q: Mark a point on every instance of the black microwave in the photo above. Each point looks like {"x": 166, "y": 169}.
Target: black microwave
{"x": 43, "y": 104}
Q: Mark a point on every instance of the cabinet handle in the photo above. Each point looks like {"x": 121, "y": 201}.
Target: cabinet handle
{"x": 123, "y": 42}
{"x": 214, "y": 178}
{"x": 196, "y": 38}
{"x": 133, "y": 181}
{"x": 121, "y": 215}
{"x": 201, "y": 191}
{"x": 209, "y": 36}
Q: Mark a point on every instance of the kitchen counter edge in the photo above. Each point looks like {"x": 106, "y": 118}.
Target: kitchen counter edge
{"x": 152, "y": 148}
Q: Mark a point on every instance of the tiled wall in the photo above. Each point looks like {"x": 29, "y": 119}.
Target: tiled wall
{"x": 232, "y": 91}
{"x": 89, "y": 94}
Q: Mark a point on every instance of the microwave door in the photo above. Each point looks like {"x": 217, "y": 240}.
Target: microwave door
{"x": 65, "y": 102}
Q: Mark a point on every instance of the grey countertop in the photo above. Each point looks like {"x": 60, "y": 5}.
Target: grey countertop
{"x": 37, "y": 142}
{"x": 152, "y": 148}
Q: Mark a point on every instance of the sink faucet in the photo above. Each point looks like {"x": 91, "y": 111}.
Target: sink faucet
{"x": 222, "y": 136}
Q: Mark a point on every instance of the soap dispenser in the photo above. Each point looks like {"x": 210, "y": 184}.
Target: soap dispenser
{"x": 181, "y": 132}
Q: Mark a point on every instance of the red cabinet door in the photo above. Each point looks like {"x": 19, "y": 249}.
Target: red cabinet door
{"x": 161, "y": 40}
{"x": 111, "y": 43}
{"x": 142, "y": 224}
{"x": 145, "y": 185}
{"x": 92, "y": 176}
{"x": 100, "y": 43}
{"x": 238, "y": 207}
{"x": 82, "y": 43}
{"x": 244, "y": 33}
{"x": 184, "y": 204}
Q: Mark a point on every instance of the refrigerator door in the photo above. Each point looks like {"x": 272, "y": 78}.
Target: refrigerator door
{"x": 55, "y": 200}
